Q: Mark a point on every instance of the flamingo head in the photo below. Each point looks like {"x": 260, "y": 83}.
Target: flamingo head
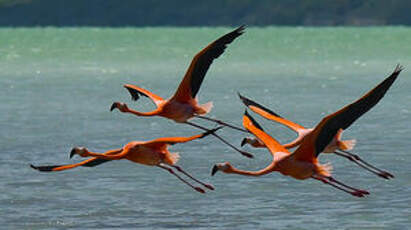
{"x": 246, "y": 140}
{"x": 225, "y": 167}
{"x": 120, "y": 106}
{"x": 82, "y": 151}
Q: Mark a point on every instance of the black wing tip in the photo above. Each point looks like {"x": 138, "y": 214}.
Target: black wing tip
{"x": 248, "y": 102}
{"x": 44, "y": 168}
{"x": 242, "y": 98}
{"x": 95, "y": 162}
{"x": 135, "y": 94}
{"x": 241, "y": 29}
{"x": 398, "y": 69}
{"x": 255, "y": 123}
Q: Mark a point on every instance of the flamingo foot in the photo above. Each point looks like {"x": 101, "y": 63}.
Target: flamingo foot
{"x": 385, "y": 175}
{"x": 357, "y": 194}
{"x": 249, "y": 155}
{"x": 209, "y": 186}
{"x": 198, "y": 189}
{"x": 363, "y": 192}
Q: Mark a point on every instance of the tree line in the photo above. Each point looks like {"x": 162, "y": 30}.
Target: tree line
{"x": 115, "y": 13}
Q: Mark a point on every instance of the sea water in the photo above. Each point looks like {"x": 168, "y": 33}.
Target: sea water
{"x": 57, "y": 85}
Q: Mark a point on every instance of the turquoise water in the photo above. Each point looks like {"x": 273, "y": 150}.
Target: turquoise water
{"x": 56, "y": 87}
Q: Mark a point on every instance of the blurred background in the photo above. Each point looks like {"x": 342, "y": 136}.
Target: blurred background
{"x": 64, "y": 62}
{"x": 203, "y": 13}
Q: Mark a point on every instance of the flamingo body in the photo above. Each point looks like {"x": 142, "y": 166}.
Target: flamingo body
{"x": 183, "y": 105}
{"x": 150, "y": 153}
{"x": 303, "y": 163}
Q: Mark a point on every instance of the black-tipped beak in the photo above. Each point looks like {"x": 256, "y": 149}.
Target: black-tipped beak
{"x": 113, "y": 106}
{"x": 72, "y": 153}
{"x": 34, "y": 167}
{"x": 214, "y": 170}
{"x": 243, "y": 142}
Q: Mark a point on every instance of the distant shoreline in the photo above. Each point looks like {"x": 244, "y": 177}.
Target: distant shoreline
{"x": 187, "y": 13}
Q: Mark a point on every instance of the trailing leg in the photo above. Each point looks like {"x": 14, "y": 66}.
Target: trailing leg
{"x": 222, "y": 123}
{"x": 357, "y": 160}
{"x": 249, "y": 155}
{"x": 191, "y": 177}
{"x": 198, "y": 189}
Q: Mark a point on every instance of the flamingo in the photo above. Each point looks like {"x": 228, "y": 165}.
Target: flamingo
{"x": 151, "y": 153}
{"x": 303, "y": 162}
{"x": 336, "y": 146}
{"x": 183, "y": 105}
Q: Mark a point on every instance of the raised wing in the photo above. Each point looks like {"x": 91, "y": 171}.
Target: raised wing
{"x": 269, "y": 114}
{"x": 164, "y": 141}
{"x": 194, "y": 76}
{"x": 87, "y": 163}
{"x": 136, "y": 92}
{"x": 251, "y": 125}
{"x": 315, "y": 142}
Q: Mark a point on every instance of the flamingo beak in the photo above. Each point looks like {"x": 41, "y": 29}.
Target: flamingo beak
{"x": 243, "y": 142}
{"x": 72, "y": 153}
{"x": 214, "y": 170}
{"x": 113, "y": 106}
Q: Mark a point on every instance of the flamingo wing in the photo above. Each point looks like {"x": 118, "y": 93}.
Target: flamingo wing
{"x": 87, "y": 163}
{"x": 195, "y": 74}
{"x": 270, "y": 115}
{"x": 323, "y": 133}
{"x": 272, "y": 144}
{"x": 136, "y": 92}
{"x": 164, "y": 141}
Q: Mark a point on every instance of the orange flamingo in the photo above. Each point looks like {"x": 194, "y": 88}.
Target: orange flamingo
{"x": 336, "y": 146}
{"x": 151, "y": 153}
{"x": 183, "y": 105}
{"x": 303, "y": 163}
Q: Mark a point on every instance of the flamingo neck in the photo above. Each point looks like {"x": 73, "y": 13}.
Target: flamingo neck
{"x": 144, "y": 114}
{"x": 261, "y": 172}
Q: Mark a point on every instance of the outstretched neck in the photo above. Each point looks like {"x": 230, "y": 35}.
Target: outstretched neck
{"x": 144, "y": 114}
{"x": 261, "y": 172}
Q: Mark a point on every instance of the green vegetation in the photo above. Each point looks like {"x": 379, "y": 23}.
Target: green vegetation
{"x": 198, "y": 12}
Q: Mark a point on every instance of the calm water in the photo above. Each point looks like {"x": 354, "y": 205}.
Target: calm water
{"x": 56, "y": 87}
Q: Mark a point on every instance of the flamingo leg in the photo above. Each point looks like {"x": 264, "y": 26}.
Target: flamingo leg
{"x": 338, "y": 185}
{"x": 222, "y": 123}
{"x": 249, "y": 155}
{"x": 347, "y": 186}
{"x": 356, "y": 159}
{"x": 170, "y": 170}
{"x": 358, "y": 163}
{"x": 191, "y": 177}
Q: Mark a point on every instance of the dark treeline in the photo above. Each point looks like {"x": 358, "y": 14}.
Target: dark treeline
{"x": 203, "y": 12}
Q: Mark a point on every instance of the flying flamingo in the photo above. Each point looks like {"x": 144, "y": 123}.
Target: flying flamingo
{"x": 183, "y": 105}
{"x": 336, "y": 146}
{"x": 151, "y": 153}
{"x": 303, "y": 163}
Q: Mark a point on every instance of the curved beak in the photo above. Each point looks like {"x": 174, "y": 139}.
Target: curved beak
{"x": 214, "y": 170}
{"x": 243, "y": 142}
{"x": 113, "y": 106}
{"x": 72, "y": 153}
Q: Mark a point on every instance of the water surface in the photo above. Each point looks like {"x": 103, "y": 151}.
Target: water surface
{"x": 56, "y": 87}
